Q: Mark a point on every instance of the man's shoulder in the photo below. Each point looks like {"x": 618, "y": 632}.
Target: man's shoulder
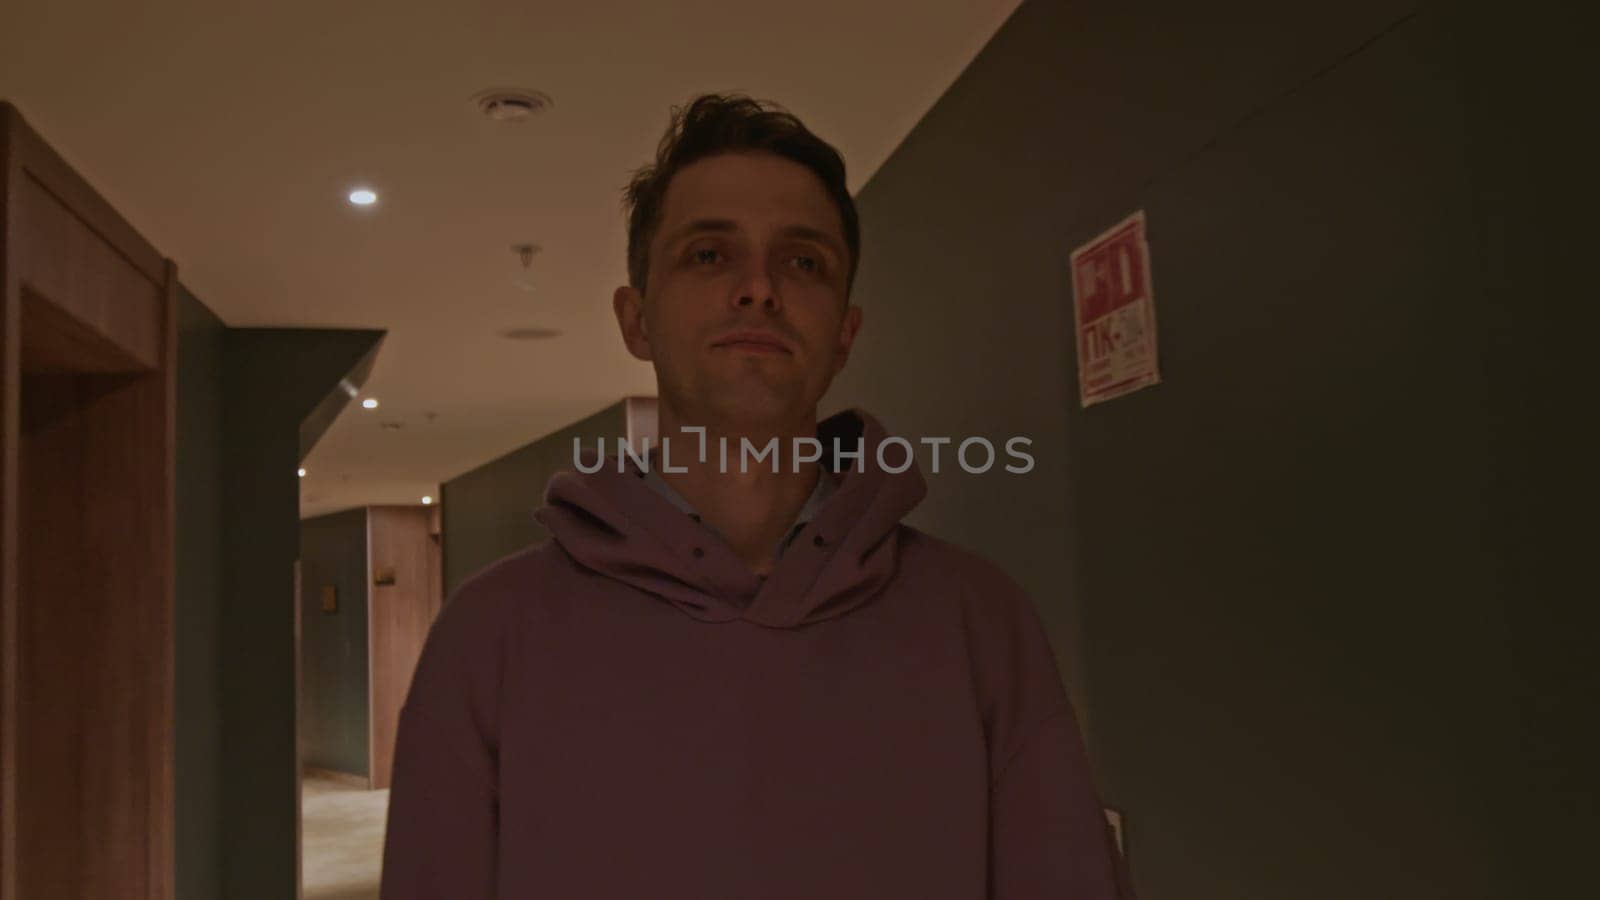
{"x": 512, "y": 573}
{"x": 963, "y": 568}
{"x": 491, "y": 597}
{"x": 970, "y": 567}
{"x": 1014, "y": 666}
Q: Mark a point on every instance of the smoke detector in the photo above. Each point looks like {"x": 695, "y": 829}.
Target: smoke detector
{"x": 510, "y": 104}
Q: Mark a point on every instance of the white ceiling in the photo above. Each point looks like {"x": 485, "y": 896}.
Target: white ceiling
{"x": 230, "y": 138}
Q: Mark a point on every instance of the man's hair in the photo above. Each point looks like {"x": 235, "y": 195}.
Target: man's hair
{"x": 727, "y": 123}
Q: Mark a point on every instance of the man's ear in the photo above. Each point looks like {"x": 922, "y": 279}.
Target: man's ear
{"x": 849, "y": 327}
{"x": 629, "y": 307}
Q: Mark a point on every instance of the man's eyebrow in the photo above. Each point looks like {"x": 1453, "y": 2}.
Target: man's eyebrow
{"x": 726, "y": 226}
{"x": 699, "y": 226}
{"x": 807, "y": 233}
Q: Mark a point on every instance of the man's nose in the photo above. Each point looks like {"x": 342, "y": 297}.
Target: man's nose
{"x": 757, "y": 286}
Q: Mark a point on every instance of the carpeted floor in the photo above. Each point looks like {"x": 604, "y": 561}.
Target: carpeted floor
{"x": 341, "y": 839}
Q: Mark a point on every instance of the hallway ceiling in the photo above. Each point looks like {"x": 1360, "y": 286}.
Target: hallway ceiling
{"x": 231, "y": 137}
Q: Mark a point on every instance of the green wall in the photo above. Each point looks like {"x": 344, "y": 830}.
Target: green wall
{"x": 273, "y": 378}
{"x": 244, "y": 395}
{"x": 334, "y": 672}
{"x": 1299, "y": 591}
{"x": 198, "y": 763}
{"x": 487, "y": 513}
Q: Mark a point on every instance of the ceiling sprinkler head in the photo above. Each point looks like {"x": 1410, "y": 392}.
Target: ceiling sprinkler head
{"x": 510, "y": 104}
{"x": 525, "y": 252}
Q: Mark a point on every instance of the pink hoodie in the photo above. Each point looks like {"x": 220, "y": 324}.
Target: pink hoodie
{"x": 628, "y": 712}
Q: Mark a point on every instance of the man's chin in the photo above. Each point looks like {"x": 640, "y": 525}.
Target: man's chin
{"x": 753, "y": 410}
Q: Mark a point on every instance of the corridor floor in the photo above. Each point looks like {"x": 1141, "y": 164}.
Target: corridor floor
{"x": 341, "y": 839}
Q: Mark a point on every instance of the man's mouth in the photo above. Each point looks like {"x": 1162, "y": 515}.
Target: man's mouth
{"x": 753, "y": 342}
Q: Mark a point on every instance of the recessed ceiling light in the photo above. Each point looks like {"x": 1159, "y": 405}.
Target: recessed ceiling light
{"x": 370, "y": 403}
{"x": 302, "y": 473}
{"x": 426, "y": 501}
{"x": 363, "y": 197}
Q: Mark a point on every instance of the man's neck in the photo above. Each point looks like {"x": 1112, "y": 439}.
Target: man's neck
{"x": 752, "y": 508}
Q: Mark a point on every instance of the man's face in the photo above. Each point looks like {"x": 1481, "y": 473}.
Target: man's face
{"x": 744, "y": 315}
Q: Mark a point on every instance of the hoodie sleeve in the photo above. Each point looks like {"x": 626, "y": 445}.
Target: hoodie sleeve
{"x": 443, "y": 827}
{"x": 1048, "y": 833}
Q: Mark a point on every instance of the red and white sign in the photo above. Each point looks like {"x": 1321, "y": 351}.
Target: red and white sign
{"x": 1115, "y": 312}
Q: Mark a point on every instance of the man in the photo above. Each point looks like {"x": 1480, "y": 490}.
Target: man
{"x": 742, "y": 681}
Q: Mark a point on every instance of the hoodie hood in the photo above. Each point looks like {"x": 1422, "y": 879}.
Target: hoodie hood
{"x": 612, "y": 522}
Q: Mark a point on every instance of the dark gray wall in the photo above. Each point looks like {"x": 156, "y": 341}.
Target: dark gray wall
{"x": 198, "y": 767}
{"x": 1528, "y": 87}
{"x": 272, "y": 379}
{"x": 334, "y": 671}
{"x": 1290, "y": 585}
{"x": 242, "y": 396}
{"x": 487, "y": 513}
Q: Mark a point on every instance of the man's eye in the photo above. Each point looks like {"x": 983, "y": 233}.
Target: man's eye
{"x": 704, "y": 255}
{"x": 809, "y": 263}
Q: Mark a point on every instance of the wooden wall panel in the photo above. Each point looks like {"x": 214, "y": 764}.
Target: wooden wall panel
{"x": 60, "y": 343}
{"x": 62, "y": 260}
{"x": 93, "y": 682}
{"x": 41, "y": 163}
{"x": 403, "y": 548}
{"x": 86, "y": 563}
